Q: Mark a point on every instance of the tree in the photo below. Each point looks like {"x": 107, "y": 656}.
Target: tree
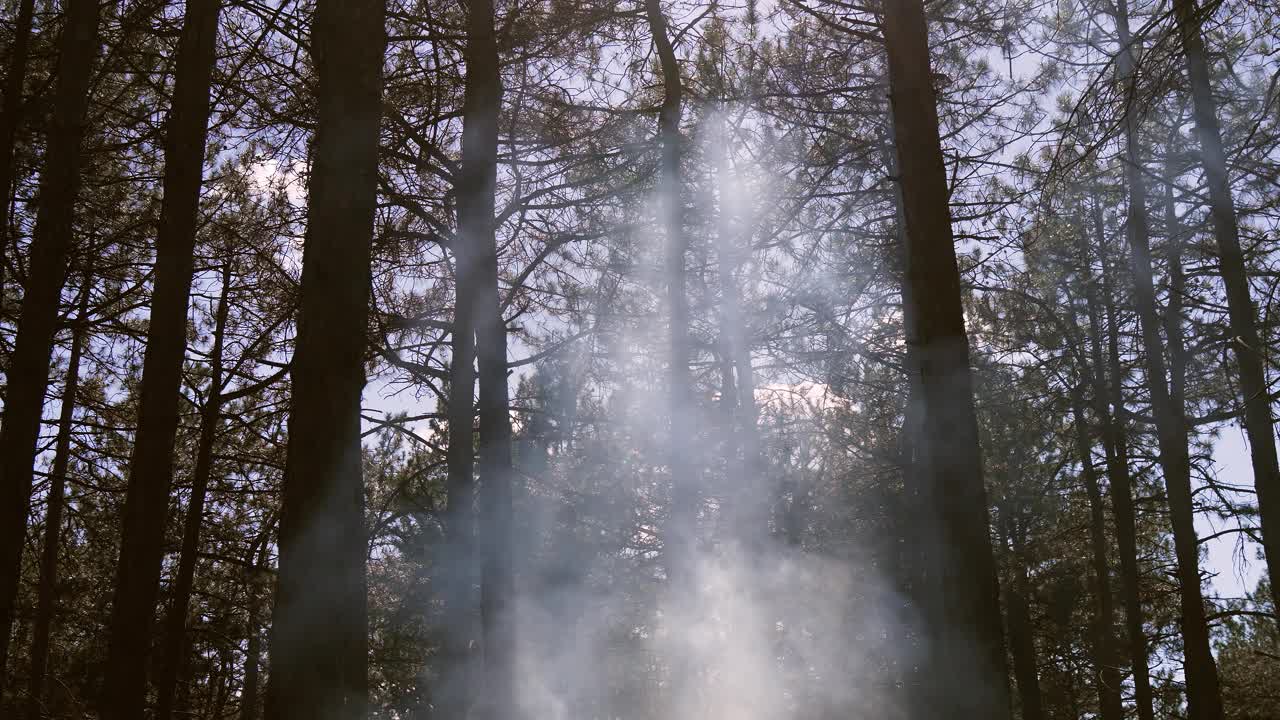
{"x": 151, "y": 465}
{"x": 1246, "y": 341}
{"x": 50, "y": 248}
{"x": 962, "y": 617}
{"x": 11, "y": 115}
{"x": 322, "y": 537}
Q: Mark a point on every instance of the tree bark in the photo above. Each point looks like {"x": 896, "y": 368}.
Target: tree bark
{"x": 11, "y": 115}
{"x": 321, "y": 581}
{"x": 137, "y": 584}
{"x": 175, "y": 625}
{"x": 1245, "y": 340}
{"x": 49, "y": 250}
{"x": 46, "y": 594}
{"x": 967, "y": 669}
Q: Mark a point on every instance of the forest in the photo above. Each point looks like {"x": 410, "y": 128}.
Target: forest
{"x": 639, "y": 359}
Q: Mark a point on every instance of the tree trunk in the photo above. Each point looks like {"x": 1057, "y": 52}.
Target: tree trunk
{"x": 1109, "y": 394}
{"x": 751, "y": 522}
{"x": 252, "y": 659}
{"x": 476, "y": 226}
{"x": 322, "y": 545}
{"x": 1110, "y": 704}
{"x": 1244, "y": 331}
{"x": 151, "y": 466}
{"x": 967, "y": 668}
{"x": 53, "y": 511}
{"x": 1022, "y": 644}
{"x": 11, "y": 115}
{"x": 1204, "y": 700}
{"x": 679, "y": 534}
{"x": 175, "y": 626}
{"x": 33, "y": 345}
{"x": 454, "y": 694}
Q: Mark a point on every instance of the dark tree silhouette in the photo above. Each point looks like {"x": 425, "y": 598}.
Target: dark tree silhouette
{"x": 321, "y": 581}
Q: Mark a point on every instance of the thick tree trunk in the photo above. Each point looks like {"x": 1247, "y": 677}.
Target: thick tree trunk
{"x": 321, "y": 581}
{"x": 967, "y": 675}
{"x": 175, "y": 625}
{"x": 47, "y": 266}
{"x": 1109, "y": 396}
{"x": 11, "y": 115}
{"x": 1204, "y": 701}
{"x": 1245, "y": 340}
{"x": 47, "y": 592}
{"x": 151, "y": 466}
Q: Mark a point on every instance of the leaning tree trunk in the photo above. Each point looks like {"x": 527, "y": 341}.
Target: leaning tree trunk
{"x": 151, "y": 466}
{"x": 53, "y": 511}
{"x": 1204, "y": 701}
{"x": 175, "y": 626}
{"x": 1245, "y": 339}
{"x": 10, "y": 119}
{"x": 967, "y": 676}
{"x": 33, "y": 345}
{"x": 1109, "y": 400}
{"x": 322, "y": 545}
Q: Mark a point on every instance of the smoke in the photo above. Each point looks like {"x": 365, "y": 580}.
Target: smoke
{"x": 613, "y": 619}
{"x": 763, "y": 632}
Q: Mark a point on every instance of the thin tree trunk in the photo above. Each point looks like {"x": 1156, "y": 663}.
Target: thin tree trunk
{"x": 33, "y": 344}
{"x": 739, "y": 375}
{"x": 321, "y": 581}
{"x": 137, "y": 584}
{"x": 1177, "y": 289}
{"x": 1204, "y": 701}
{"x": 252, "y": 660}
{"x": 679, "y": 535}
{"x": 10, "y": 119}
{"x": 476, "y": 224}
{"x": 1110, "y": 704}
{"x": 1022, "y": 645}
{"x": 454, "y": 694}
{"x": 175, "y": 626}
{"x": 967, "y": 669}
{"x": 1109, "y": 394}
{"x": 1245, "y": 340}
{"x": 53, "y": 511}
